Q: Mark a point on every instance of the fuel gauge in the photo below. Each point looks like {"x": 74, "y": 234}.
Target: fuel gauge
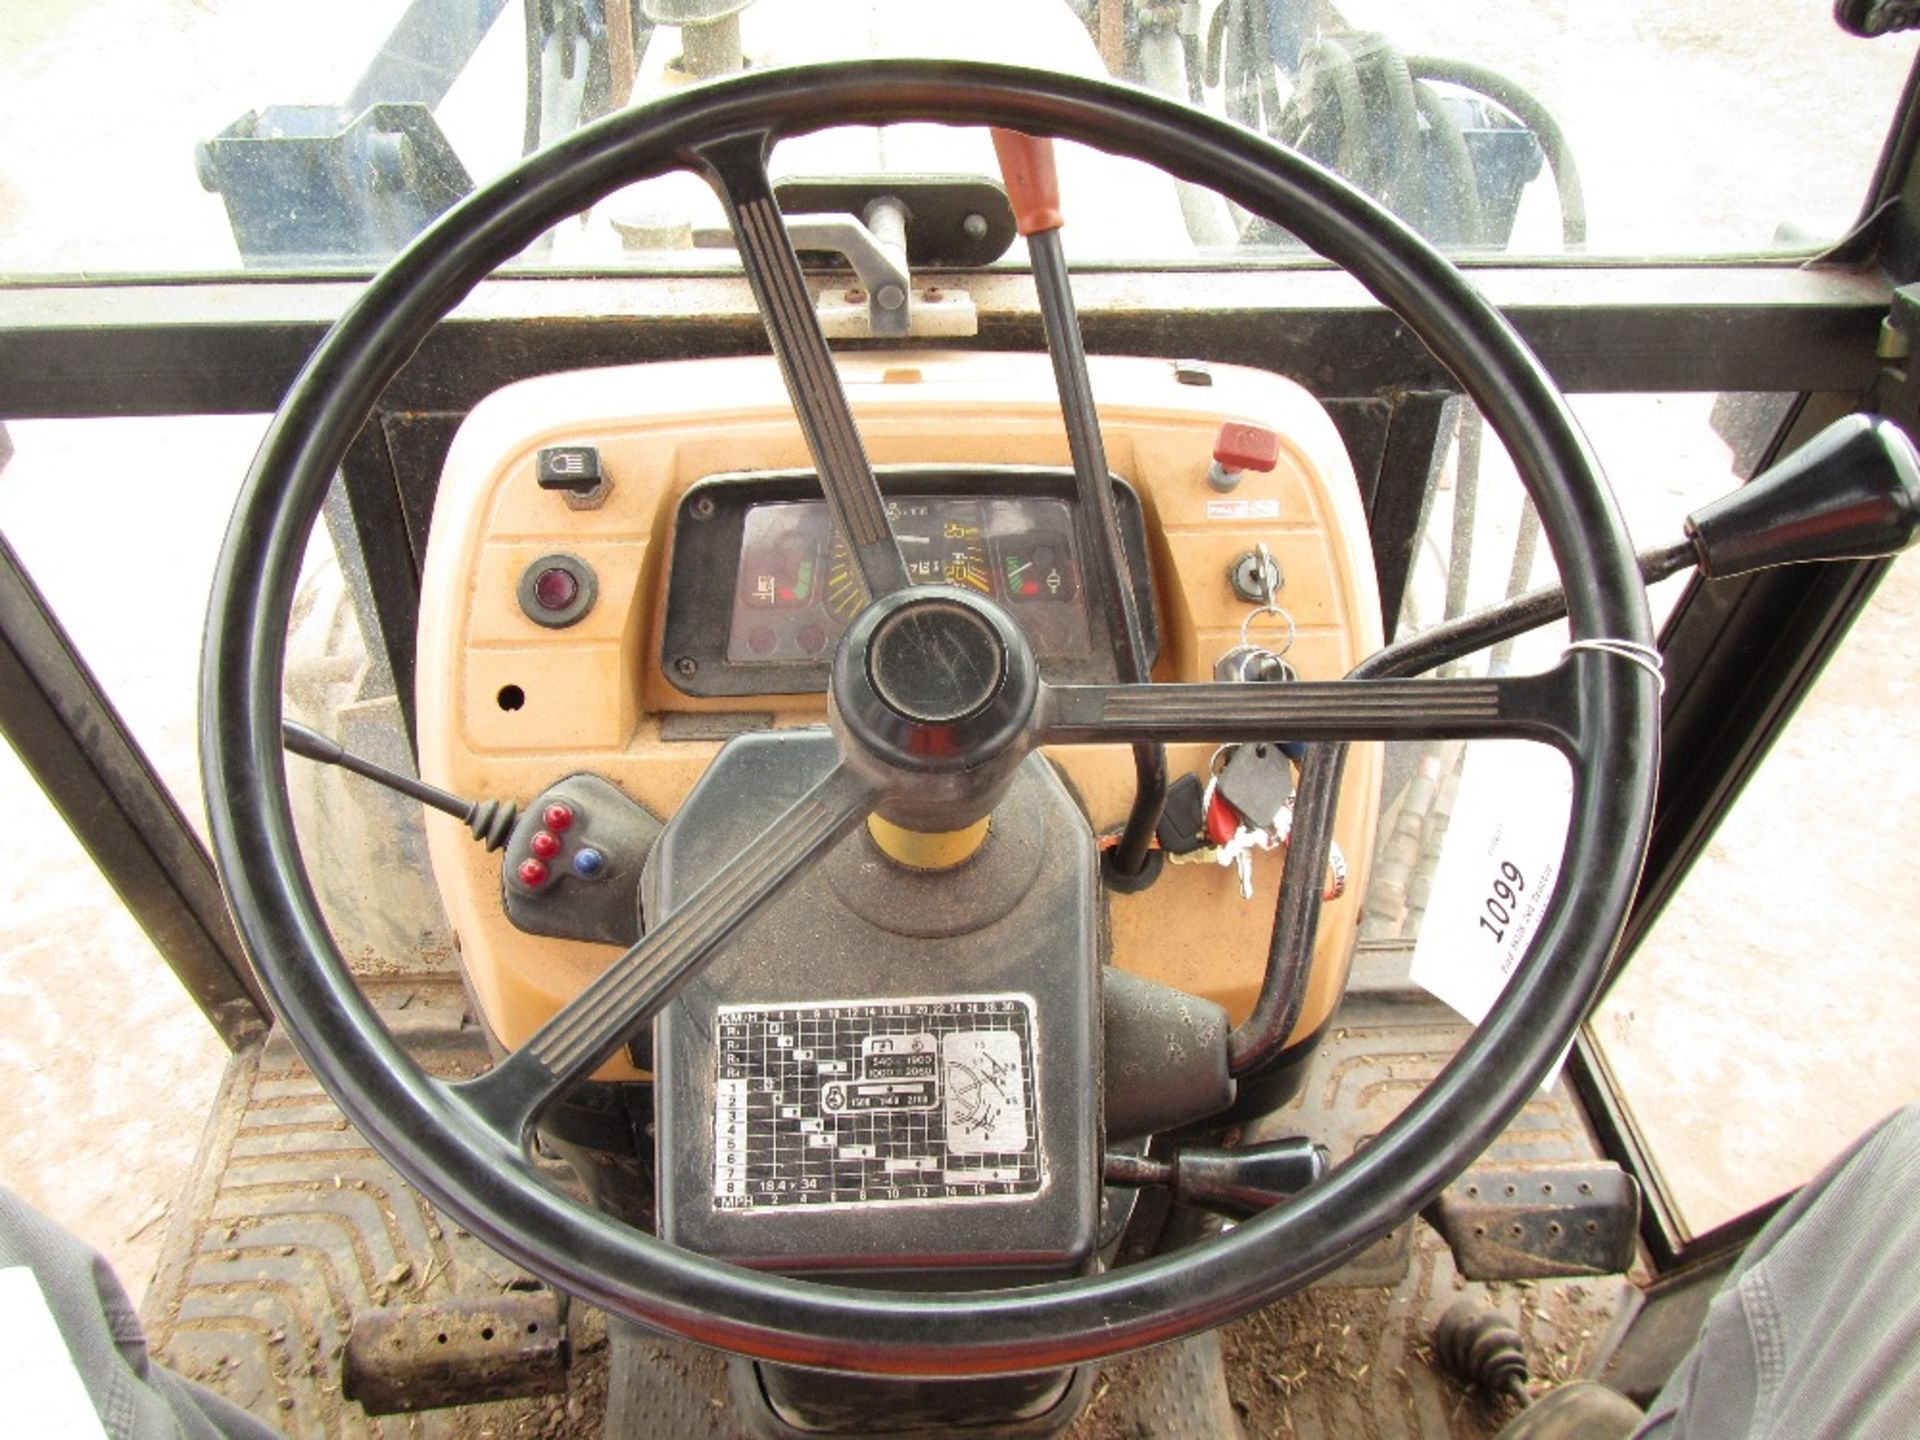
{"x": 1037, "y": 566}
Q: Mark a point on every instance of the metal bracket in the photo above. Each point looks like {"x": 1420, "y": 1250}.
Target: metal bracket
{"x": 1899, "y": 396}
{"x": 1529, "y": 1222}
{"x": 883, "y": 302}
{"x": 456, "y": 1352}
{"x": 308, "y": 185}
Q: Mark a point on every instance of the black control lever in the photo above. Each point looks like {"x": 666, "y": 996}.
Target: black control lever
{"x": 1236, "y": 1183}
{"x": 1850, "y": 493}
{"x": 1033, "y": 188}
{"x": 491, "y": 821}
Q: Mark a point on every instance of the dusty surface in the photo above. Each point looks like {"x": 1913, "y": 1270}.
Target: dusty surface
{"x": 293, "y": 1228}
{"x": 1321, "y": 1348}
{"x": 106, "y": 1067}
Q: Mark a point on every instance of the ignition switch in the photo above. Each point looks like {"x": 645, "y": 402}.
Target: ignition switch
{"x": 1255, "y": 576}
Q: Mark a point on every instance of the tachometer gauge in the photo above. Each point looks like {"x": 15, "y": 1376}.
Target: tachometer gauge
{"x": 961, "y": 551}
{"x": 844, "y": 590}
{"x": 941, "y": 542}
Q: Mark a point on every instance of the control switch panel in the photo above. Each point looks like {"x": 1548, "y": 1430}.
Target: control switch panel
{"x": 573, "y": 863}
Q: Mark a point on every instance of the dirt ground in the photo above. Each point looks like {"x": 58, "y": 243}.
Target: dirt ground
{"x": 106, "y": 1066}
{"x": 1783, "y": 974}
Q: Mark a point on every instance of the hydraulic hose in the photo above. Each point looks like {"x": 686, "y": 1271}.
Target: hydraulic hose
{"x": 1525, "y": 108}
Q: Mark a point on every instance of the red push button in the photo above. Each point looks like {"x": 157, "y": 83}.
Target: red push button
{"x": 557, "y": 817}
{"x": 1246, "y": 447}
{"x": 555, "y": 589}
{"x": 533, "y": 873}
{"x": 545, "y": 844}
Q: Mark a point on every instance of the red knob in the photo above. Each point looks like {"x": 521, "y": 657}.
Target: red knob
{"x": 1033, "y": 186}
{"x": 1246, "y": 447}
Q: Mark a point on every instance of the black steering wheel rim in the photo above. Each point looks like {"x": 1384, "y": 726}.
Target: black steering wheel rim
{"x": 442, "y": 1146}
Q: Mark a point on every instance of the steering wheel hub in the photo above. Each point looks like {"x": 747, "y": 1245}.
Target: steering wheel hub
{"x": 933, "y": 694}
{"x": 935, "y": 662}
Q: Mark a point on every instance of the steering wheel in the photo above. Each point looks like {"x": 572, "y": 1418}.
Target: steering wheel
{"x": 924, "y": 749}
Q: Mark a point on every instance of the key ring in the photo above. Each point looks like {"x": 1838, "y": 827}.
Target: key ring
{"x": 1269, "y": 608}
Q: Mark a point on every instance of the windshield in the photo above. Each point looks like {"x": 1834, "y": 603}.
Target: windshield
{"x": 211, "y": 136}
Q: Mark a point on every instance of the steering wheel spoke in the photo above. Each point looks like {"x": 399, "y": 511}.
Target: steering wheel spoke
{"x": 1525, "y": 707}
{"x": 737, "y": 167}
{"x": 611, "y": 1010}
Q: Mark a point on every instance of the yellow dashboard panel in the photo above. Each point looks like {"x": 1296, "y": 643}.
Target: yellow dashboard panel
{"x": 507, "y": 706}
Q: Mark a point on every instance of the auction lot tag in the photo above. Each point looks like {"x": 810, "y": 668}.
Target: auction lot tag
{"x": 1504, "y": 845}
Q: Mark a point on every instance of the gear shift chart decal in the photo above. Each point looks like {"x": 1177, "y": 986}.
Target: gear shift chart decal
{"x": 864, "y": 1102}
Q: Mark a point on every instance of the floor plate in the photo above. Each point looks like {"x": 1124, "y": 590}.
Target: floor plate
{"x": 292, "y": 1225}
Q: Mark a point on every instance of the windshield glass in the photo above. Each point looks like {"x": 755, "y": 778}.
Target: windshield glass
{"x": 206, "y": 136}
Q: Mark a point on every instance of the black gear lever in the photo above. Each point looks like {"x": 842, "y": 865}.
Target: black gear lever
{"x": 1850, "y": 493}
{"x": 1238, "y": 1183}
{"x": 1033, "y": 187}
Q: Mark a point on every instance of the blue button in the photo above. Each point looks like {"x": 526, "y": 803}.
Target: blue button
{"x": 588, "y": 863}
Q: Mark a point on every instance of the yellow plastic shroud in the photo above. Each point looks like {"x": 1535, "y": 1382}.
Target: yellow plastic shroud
{"x": 591, "y": 697}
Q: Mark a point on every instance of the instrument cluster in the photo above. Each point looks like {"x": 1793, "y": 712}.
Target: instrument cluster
{"x": 762, "y": 589}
